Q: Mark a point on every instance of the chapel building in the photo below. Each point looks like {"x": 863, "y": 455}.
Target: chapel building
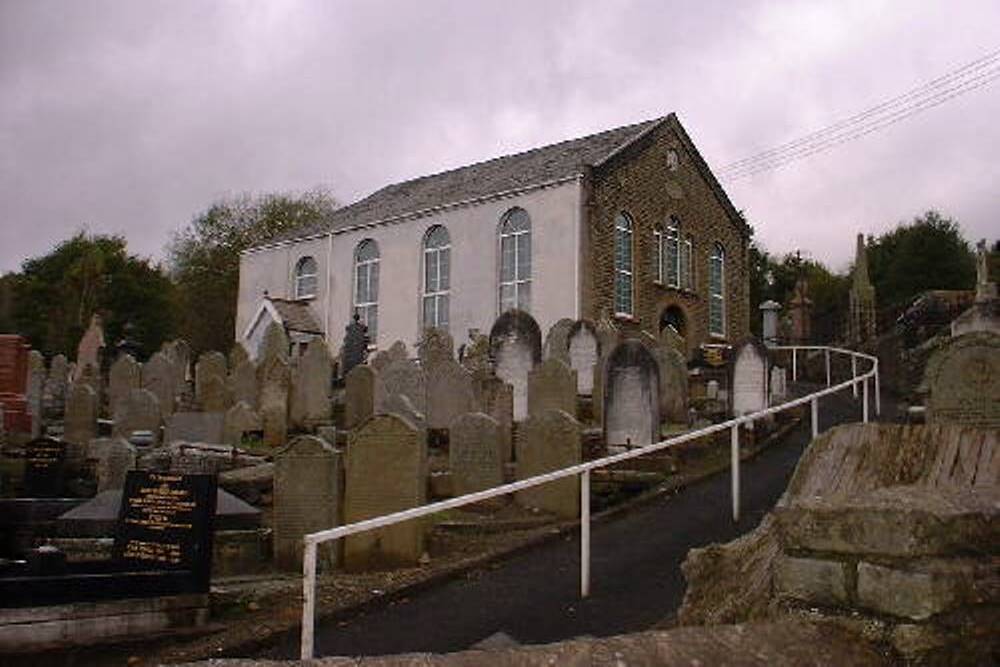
{"x": 628, "y": 224}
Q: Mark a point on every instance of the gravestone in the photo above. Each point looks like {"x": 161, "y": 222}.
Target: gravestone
{"x": 396, "y": 352}
{"x": 34, "y": 389}
{"x": 962, "y": 381}
{"x": 13, "y": 383}
{"x": 243, "y": 383}
{"x": 516, "y": 348}
{"x": 435, "y": 347}
{"x": 557, "y": 340}
{"x": 89, "y": 375}
{"x": 631, "y": 411}
{"x": 275, "y": 380}
{"x": 123, "y": 378}
{"x": 207, "y": 427}
{"x": 749, "y": 378}
{"x": 274, "y": 344}
{"x": 179, "y": 352}
{"x": 139, "y": 411}
{"x": 584, "y": 352}
{"x": 399, "y": 404}
{"x": 80, "y": 425}
{"x": 239, "y": 421}
{"x": 237, "y": 355}
{"x": 91, "y": 346}
{"x": 474, "y": 454}
{"x": 449, "y": 392}
{"x": 159, "y": 376}
{"x": 209, "y": 375}
{"x": 779, "y": 386}
{"x": 355, "y": 348}
{"x": 670, "y": 338}
{"x": 215, "y": 395}
{"x": 496, "y": 399}
{"x": 310, "y": 392}
{"x": 306, "y": 500}
{"x": 385, "y": 471}
{"x": 552, "y": 386}
{"x": 55, "y": 387}
{"x": 406, "y": 377}
{"x": 359, "y": 392}
{"x": 166, "y": 523}
{"x": 116, "y": 459}
{"x": 545, "y": 443}
{"x": 712, "y": 389}
{"x": 673, "y": 385}
{"x": 44, "y": 468}
{"x": 476, "y": 354}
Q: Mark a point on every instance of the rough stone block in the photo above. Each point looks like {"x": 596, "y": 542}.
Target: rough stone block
{"x": 919, "y": 590}
{"x": 821, "y": 582}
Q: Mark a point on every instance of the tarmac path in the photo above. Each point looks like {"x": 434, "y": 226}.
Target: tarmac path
{"x": 533, "y": 597}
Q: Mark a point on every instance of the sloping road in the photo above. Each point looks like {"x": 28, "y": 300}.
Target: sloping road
{"x": 533, "y": 597}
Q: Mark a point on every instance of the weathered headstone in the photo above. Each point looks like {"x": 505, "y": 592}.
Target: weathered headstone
{"x": 81, "y": 415}
{"x": 385, "y": 472}
{"x": 34, "y": 389}
{"x": 396, "y": 352}
{"x": 435, "y": 347}
{"x": 306, "y": 499}
{"x": 240, "y": 420}
{"x": 962, "y": 381}
{"x": 215, "y": 394}
{"x": 243, "y": 383}
{"x": 405, "y": 377}
{"x": 45, "y": 468}
{"x": 749, "y": 378}
{"x": 159, "y": 376}
{"x": 557, "y": 340}
{"x": 237, "y": 355}
{"x": 209, "y": 374}
{"x": 496, "y": 399}
{"x": 476, "y": 354}
{"x": 208, "y": 427}
{"x": 449, "y": 392}
{"x": 516, "y": 347}
{"x": 89, "y": 375}
{"x": 548, "y": 442}
{"x": 275, "y": 380}
{"x": 91, "y": 346}
{"x": 673, "y": 385}
{"x": 55, "y": 387}
{"x": 400, "y": 404}
{"x": 310, "y": 391}
{"x": 275, "y": 344}
{"x": 779, "y": 388}
{"x": 117, "y": 458}
{"x": 552, "y": 386}
{"x": 139, "y": 411}
{"x": 631, "y": 411}
{"x": 123, "y": 378}
{"x": 584, "y": 352}
{"x": 670, "y": 338}
{"x": 359, "y": 392}
{"x": 355, "y": 348}
{"x": 474, "y": 454}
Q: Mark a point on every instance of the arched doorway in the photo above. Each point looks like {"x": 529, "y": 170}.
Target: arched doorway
{"x": 673, "y": 316}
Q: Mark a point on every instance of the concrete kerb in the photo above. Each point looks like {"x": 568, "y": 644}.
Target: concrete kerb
{"x": 553, "y": 532}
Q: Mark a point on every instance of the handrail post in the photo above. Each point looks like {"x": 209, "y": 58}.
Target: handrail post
{"x": 585, "y": 534}
{"x": 734, "y": 441}
{"x": 308, "y": 599}
{"x": 878, "y": 394}
{"x": 814, "y": 404}
{"x": 795, "y": 364}
{"x": 864, "y": 401}
{"x": 854, "y": 375}
{"x": 829, "y": 377}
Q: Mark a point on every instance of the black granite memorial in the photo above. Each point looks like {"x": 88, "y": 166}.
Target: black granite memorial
{"x": 44, "y": 468}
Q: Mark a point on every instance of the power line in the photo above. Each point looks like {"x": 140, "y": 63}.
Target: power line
{"x": 967, "y": 78}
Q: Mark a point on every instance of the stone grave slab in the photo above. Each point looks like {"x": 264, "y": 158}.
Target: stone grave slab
{"x": 306, "y": 499}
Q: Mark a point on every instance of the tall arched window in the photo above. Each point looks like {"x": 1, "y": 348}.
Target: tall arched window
{"x": 716, "y": 291}
{"x": 437, "y": 277}
{"x": 672, "y": 253}
{"x": 366, "y": 285}
{"x": 658, "y": 255}
{"x": 623, "y": 265}
{"x": 306, "y": 278}
{"x": 515, "y": 261}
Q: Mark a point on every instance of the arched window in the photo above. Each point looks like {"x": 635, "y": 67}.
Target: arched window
{"x": 366, "y": 258}
{"x": 716, "y": 291}
{"x": 623, "y": 265}
{"x": 306, "y": 278}
{"x": 671, "y": 253}
{"x": 437, "y": 277}
{"x": 515, "y": 261}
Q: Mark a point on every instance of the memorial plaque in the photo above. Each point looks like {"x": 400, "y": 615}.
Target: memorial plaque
{"x": 45, "y": 468}
{"x": 166, "y": 522}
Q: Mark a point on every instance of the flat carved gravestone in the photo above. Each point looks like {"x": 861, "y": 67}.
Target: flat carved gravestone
{"x": 631, "y": 403}
{"x": 496, "y": 398}
{"x": 239, "y": 421}
{"x": 275, "y": 380}
{"x": 516, "y": 347}
{"x": 166, "y": 522}
{"x": 552, "y": 386}
{"x": 81, "y": 415}
{"x": 139, "y": 411}
{"x": 449, "y": 393}
{"x": 750, "y": 378}
{"x": 359, "y": 389}
{"x": 45, "y": 468}
{"x": 211, "y": 367}
{"x": 385, "y": 471}
{"x": 116, "y": 459}
{"x": 545, "y": 443}
{"x": 159, "y": 376}
{"x": 584, "y": 352}
{"x": 310, "y": 397}
{"x": 208, "y": 427}
{"x": 306, "y": 499}
{"x": 474, "y": 454}
{"x": 962, "y": 381}
{"x": 123, "y": 378}
{"x": 243, "y": 383}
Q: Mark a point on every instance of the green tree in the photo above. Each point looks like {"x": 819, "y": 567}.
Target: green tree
{"x": 205, "y": 257}
{"x": 55, "y": 295}
{"x": 929, "y": 253}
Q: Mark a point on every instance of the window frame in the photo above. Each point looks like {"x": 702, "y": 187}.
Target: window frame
{"x": 659, "y": 256}
{"x": 519, "y": 285}
{"x": 624, "y": 226}
{"x": 672, "y": 238}
{"x": 438, "y": 295}
{"x": 717, "y": 290}
{"x": 371, "y": 267}
{"x": 299, "y": 278}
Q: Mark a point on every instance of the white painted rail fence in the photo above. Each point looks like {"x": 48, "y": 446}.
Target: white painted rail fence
{"x": 313, "y": 540}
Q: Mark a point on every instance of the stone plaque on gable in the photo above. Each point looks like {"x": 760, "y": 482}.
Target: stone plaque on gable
{"x": 306, "y": 499}
{"x": 750, "y": 378}
{"x": 359, "y": 391}
{"x": 548, "y": 442}
{"x": 962, "y": 381}
{"x": 385, "y": 472}
{"x": 44, "y": 468}
{"x": 310, "y": 392}
{"x": 474, "y": 455}
{"x": 584, "y": 351}
{"x": 552, "y": 386}
{"x": 449, "y": 393}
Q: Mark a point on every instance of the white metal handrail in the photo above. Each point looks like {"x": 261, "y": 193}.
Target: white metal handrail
{"x": 313, "y": 540}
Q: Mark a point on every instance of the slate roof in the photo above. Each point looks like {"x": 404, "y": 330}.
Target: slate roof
{"x": 511, "y": 172}
{"x": 296, "y": 315}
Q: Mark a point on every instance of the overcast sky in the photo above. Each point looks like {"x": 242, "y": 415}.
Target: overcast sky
{"x": 133, "y": 116}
